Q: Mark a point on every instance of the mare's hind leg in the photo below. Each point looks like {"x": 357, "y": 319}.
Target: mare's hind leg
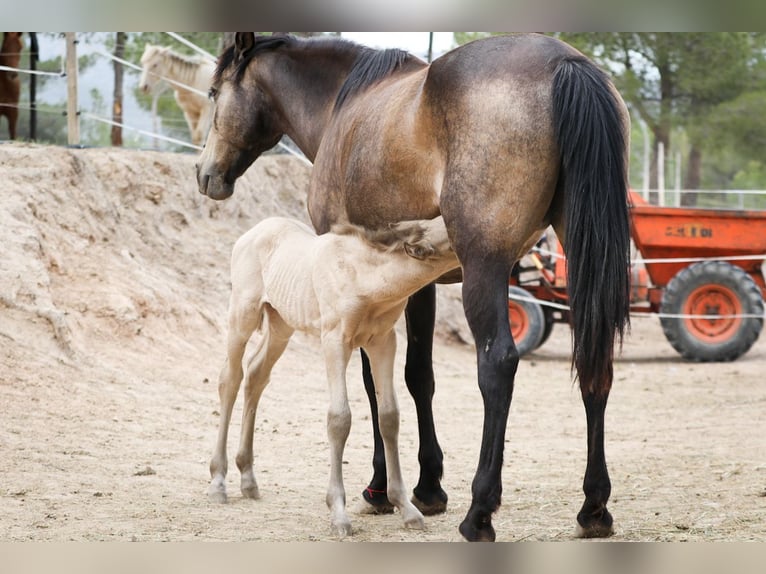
{"x": 485, "y": 293}
{"x": 276, "y": 335}
{"x": 594, "y": 520}
{"x": 381, "y": 355}
{"x": 428, "y": 494}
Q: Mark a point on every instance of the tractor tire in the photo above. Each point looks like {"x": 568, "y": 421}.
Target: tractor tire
{"x": 548, "y": 328}
{"x": 712, "y": 288}
{"x": 526, "y": 318}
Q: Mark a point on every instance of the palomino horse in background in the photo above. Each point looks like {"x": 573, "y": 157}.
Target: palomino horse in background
{"x": 502, "y": 137}
{"x": 10, "y": 84}
{"x": 349, "y": 288}
{"x": 161, "y": 63}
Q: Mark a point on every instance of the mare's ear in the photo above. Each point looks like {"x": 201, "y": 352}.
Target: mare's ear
{"x": 243, "y": 42}
{"x": 420, "y": 250}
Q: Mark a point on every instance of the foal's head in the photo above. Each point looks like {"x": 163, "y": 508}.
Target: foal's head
{"x": 422, "y": 239}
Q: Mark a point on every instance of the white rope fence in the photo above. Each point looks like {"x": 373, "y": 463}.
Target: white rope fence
{"x": 562, "y": 307}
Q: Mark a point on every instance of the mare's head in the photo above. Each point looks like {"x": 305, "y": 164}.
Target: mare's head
{"x": 245, "y": 123}
{"x": 154, "y": 64}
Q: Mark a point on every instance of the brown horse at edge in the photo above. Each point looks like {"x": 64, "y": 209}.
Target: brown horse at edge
{"x": 10, "y": 84}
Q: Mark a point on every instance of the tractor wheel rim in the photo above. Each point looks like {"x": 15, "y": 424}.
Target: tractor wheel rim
{"x": 519, "y": 321}
{"x": 712, "y": 300}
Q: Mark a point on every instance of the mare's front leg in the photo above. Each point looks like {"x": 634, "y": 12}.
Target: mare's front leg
{"x": 485, "y": 294}
{"x": 337, "y": 355}
{"x": 381, "y": 354}
{"x": 428, "y": 494}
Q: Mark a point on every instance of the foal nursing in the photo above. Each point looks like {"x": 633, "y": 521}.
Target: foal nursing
{"x": 349, "y": 287}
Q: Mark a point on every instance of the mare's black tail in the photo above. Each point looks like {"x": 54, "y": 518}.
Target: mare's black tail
{"x": 593, "y": 142}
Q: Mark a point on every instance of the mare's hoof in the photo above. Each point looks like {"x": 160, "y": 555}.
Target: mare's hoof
{"x": 599, "y": 526}
{"x": 596, "y": 530}
{"x": 430, "y": 503}
{"x": 472, "y": 533}
{"x": 377, "y": 502}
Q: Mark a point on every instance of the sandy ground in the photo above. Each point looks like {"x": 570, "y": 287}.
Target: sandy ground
{"x": 113, "y": 289}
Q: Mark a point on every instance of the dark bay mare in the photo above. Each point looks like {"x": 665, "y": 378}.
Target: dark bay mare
{"x": 502, "y": 136}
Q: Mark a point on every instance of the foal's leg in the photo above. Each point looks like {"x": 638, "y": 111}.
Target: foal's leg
{"x": 241, "y": 327}
{"x": 429, "y": 496}
{"x": 485, "y": 299}
{"x": 336, "y": 355}
{"x": 381, "y": 355}
{"x": 276, "y": 335}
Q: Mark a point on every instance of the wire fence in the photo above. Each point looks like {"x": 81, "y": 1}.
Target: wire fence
{"x": 150, "y": 120}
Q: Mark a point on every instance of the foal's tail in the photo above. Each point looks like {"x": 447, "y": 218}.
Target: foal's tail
{"x": 593, "y": 143}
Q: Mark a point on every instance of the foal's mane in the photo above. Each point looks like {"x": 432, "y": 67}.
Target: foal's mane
{"x": 387, "y": 239}
{"x": 369, "y": 66}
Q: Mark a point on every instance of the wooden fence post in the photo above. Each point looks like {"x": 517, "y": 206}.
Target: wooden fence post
{"x": 73, "y": 118}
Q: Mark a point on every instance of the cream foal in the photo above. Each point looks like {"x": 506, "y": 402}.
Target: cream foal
{"x": 349, "y": 287}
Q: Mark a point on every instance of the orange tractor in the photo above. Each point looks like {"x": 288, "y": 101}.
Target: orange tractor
{"x": 699, "y": 269}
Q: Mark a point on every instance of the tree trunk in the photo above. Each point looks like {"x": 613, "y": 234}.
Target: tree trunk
{"x": 119, "y": 52}
{"x": 693, "y": 176}
{"x": 34, "y": 57}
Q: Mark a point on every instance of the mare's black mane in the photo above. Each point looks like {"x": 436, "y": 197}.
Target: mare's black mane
{"x": 370, "y": 65}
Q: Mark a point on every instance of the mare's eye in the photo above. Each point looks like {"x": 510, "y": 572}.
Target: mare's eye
{"x": 212, "y": 93}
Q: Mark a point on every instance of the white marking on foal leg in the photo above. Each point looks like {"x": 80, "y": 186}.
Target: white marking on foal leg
{"x": 381, "y": 357}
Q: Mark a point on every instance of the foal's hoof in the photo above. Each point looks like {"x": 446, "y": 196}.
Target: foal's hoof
{"x": 377, "y": 502}
{"x": 415, "y": 522}
{"x": 251, "y": 492}
{"x": 483, "y": 532}
{"x": 217, "y": 496}
{"x": 430, "y": 503}
{"x": 341, "y": 529}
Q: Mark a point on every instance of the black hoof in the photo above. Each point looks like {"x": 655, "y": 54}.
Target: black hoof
{"x": 600, "y": 526}
{"x": 378, "y": 500}
{"x": 430, "y": 503}
{"x": 481, "y": 533}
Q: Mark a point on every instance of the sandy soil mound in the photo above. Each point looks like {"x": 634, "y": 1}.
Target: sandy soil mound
{"x": 113, "y": 291}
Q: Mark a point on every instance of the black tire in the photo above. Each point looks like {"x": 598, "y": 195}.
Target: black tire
{"x": 548, "y": 314}
{"x": 712, "y": 288}
{"x": 526, "y": 319}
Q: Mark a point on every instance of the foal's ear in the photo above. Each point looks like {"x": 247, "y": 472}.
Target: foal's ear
{"x": 243, "y": 42}
{"x": 420, "y": 250}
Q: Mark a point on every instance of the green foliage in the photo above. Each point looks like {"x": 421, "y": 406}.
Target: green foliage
{"x": 708, "y": 86}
